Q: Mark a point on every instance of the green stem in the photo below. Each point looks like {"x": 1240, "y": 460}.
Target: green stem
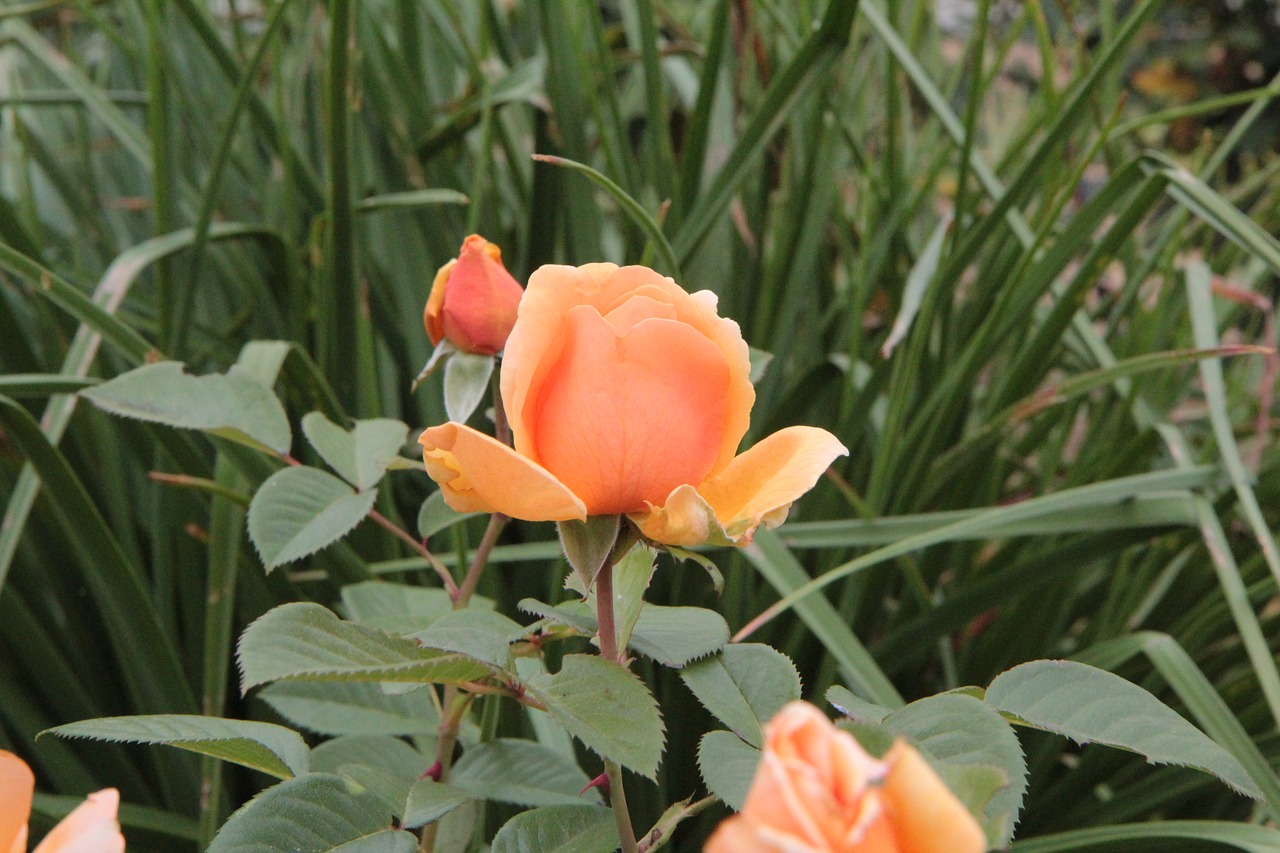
{"x": 609, "y": 650}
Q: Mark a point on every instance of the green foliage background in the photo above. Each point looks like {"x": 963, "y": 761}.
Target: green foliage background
{"x": 181, "y": 180}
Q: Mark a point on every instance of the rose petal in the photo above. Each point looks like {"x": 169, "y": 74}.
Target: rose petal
{"x": 91, "y": 828}
{"x": 622, "y": 421}
{"x": 432, "y": 316}
{"x": 17, "y": 784}
{"x": 535, "y": 343}
{"x": 926, "y": 816}
{"x": 756, "y": 488}
{"x": 477, "y": 473}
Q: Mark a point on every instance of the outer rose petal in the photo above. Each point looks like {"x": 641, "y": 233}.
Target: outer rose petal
{"x": 91, "y": 828}
{"x": 926, "y": 816}
{"x": 17, "y": 784}
{"x": 756, "y": 488}
{"x": 432, "y": 315}
{"x": 479, "y": 474}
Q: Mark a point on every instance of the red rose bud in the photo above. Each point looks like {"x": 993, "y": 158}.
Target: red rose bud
{"x": 473, "y": 300}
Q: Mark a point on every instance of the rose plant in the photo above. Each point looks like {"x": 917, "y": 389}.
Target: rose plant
{"x": 619, "y": 409}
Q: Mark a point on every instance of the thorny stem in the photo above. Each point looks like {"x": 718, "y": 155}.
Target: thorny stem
{"x": 609, "y": 651}
{"x": 451, "y": 721}
{"x": 462, "y": 594}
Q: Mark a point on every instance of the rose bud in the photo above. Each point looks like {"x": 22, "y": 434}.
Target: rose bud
{"x": 473, "y": 300}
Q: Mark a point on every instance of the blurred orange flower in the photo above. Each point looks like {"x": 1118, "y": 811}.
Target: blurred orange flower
{"x": 473, "y": 300}
{"x": 628, "y": 395}
{"x": 91, "y": 828}
{"x": 817, "y": 791}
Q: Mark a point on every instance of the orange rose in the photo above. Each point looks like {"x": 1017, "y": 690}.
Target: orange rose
{"x": 91, "y": 828}
{"x": 627, "y": 395}
{"x": 473, "y": 300}
{"x": 817, "y": 791}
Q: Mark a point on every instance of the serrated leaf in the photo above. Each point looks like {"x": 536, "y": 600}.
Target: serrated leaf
{"x": 430, "y": 800}
{"x": 521, "y": 772}
{"x": 360, "y": 455}
{"x": 398, "y": 608}
{"x": 607, "y": 708}
{"x": 337, "y": 708}
{"x": 480, "y": 634}
{"x": 272, "y": 749}
{"x": 1091, "y": 705}
{"x": 744, "y": 686}
{"x": 672, "y": 636}
{"x": 957, "y": 731}
{"x": 435, "y": 515}
{"x": 299, "y": 510}
{"x": 855, "y": 707}
{"x": 558, "y": 829}
{"x": 466, "y": 381}
{"x": 386, "y": 766}
{"x": 316, "y": 813}
{"x": 728, "y": 766}
{"x": 233, "y": 405}
{"x": 305, "y": 641}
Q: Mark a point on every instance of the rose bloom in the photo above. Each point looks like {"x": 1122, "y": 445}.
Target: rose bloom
{"x": 473, "y": 300}
{"x": 91, "y": 828}
{"x": 628, "y": 395}
{"x": 817, "y": 791}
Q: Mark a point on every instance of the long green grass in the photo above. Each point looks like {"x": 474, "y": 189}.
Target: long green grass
{"x": 995, "y": 289}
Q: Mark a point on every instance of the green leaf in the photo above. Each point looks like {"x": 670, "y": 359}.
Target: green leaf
{"x": 1091, "y": 705}
{"x": 360, "y": 455}
{"x": 712, "y": 570}
{"x": 607, "y": 708}
{"x": 272, "y": 749}
{"x": 759, "y": 364}
{"x": 962, "y": 731}
{"x": 558, "y": 829}
{"x": 430, "y": 800}
{"x": 631, "y": 576}
{"x": 231, "y": 405}
{"x": 728, "y": 766}
{"x": 482, "y": 635}
{"x": 521, "y": 772}
{"x": 1140, "y": 836}
{"x": 306, "y": 641}
{"x": 336, "y": 708}
{"x": 466, "y": 381}
{"x": 435, "y": 515}
{"x": 316, "y": 813}
{"x": 300, "y": 510}
{"x": 674, "y": 636}
{"x": 855, "y": 707}
{"x": 744, "y": 686}
{"x": 398, "y": 608}
{"x": 386, "y": 766}
{"x": 587, "y": 544}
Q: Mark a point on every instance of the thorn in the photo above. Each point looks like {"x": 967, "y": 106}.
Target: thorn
{"x": 433, "y": 772}
{"x": 601, "y": 782}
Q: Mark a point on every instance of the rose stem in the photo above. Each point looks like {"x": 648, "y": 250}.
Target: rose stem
{"x": 609, "y": 651}
{"x": 450, "y": 722}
